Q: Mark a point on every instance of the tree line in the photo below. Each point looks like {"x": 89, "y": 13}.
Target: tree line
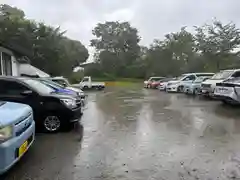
{"x": 48, "y": 48}
{"x": 208, "y": 48}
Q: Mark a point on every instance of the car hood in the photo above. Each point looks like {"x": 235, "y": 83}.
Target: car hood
{"x": 63, "y": 95}
{"x": 173, "y": 81}
{"x": 75, "y": 89}
{"x": 66, "y": 91}
{"x": 12, "y": 112}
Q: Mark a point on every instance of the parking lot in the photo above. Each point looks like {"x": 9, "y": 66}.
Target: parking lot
{"x": 139, "y": 134}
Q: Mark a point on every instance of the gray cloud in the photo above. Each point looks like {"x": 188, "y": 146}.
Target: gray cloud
{"x": 153, "y": 18}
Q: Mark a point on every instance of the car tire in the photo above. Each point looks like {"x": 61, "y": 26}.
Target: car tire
{"x": 52, "y": 123}
{"x": 180, "y": 89}
{"x": 194, "y": 92}
{"x": 99, "y": 88}
{"x": 225, "y": 102}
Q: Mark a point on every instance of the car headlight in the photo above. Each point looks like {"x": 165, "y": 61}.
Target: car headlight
{"x": 81, "y": 94}
{"x": 5, "y": 133}
{"x": 175, "y": 83}
{"x": 71, "y": 103}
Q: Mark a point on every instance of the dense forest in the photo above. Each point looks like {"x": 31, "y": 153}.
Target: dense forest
{"x": 207, "y": 48}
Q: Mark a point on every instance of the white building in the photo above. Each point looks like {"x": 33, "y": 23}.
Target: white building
{"x": 14, "y": 62}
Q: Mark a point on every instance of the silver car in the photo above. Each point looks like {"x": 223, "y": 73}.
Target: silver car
{"x": 194, "y": 88}
{"x": 228, "y": 91}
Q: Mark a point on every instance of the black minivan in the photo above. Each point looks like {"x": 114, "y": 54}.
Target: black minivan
{"x": 52, "y": 111}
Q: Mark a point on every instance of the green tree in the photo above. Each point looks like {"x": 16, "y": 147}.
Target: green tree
{"x": 218, "y": 43}
{"x": 50, "y": 50}
{"x": 117, "y": 47}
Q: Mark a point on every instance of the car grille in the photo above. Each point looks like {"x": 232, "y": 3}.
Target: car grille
{"x": 79, "y": 102}
{"x": 206, "y": 85}
{"x": 22, "y": 125}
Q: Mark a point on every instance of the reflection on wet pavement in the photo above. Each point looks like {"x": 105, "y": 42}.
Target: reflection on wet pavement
{"x": 140, "y": 134}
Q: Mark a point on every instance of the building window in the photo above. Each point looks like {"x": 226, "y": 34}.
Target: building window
{"x": 6, "y": 64}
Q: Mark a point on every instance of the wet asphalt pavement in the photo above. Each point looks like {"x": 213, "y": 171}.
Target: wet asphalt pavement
{"x": 140, "y": 134}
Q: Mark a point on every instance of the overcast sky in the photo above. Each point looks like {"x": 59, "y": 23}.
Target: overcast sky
{"x": 153, "y": 18}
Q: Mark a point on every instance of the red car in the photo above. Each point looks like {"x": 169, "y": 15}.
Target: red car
{"x": 153, "y": 82}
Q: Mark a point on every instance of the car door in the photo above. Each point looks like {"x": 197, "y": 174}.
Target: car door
{"x": 188, "y": 80}
{"x": 14, "y": 91}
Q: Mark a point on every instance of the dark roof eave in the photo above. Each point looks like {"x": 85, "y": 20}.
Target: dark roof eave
{"x": 18, "y": 50}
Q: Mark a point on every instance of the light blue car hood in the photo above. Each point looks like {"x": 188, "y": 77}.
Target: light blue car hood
{"x": 12, "y": 112}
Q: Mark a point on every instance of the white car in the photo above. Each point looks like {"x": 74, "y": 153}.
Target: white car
{"x": 208, "y": 86}
{"x": 163, "y": 84}
{"x": 180, "y": 82}
{"x": 228, "y": 91}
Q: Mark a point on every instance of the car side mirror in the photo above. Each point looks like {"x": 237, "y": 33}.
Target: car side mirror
{"x": 64, "y": 84}
{"x": 27, "y": 93}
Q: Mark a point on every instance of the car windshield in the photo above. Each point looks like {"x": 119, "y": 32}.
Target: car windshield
{"x": 50, "y": 84}
{"x": 38, "y": 86}
{"x": 233, "y": 80}
{"x": 61, "y": 81}
{"x": 201, "y": 79}
{"x": 180, "y": 77}
{"x": 155, "y": 79}
{"x": 222, "y": 75}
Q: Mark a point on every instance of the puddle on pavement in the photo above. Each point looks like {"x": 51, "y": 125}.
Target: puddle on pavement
{"x": 150, "y": 135}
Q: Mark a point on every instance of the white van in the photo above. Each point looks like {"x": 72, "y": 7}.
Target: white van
{"x": 209, "y": 85}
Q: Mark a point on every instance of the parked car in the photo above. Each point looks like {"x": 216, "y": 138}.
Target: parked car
{"x": 87, "y": 83}
{"x": 63, "y": 82}
{"x": 228, "y": 91}
{"x": 178, "y": 84}
{"x": 163, "y": 83}
{"x": 194, "y": 88}
{"x": 60, "y": 89}
{"x": 52, "y": 111}
{"x": 208, "y": 86}
{"x": 17, "y": 132}
{"x": 152, "y": 82}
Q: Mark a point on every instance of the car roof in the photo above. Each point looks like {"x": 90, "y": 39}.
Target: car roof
{"x": 157, "y": 77}
{"x": 13, "y": 78}
{"x": 230, "y": 70}
{"x": 199, "y": 73}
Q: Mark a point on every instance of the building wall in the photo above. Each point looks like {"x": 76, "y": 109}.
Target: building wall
{"x": 15, "y": 67}
{"x": 15, "y": 63}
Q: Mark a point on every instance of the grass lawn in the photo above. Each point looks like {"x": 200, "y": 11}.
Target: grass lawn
{"x": 120, "y": 81}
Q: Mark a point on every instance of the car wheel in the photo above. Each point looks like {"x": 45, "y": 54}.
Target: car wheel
{"x": 194, "y": 92}
{"x": 180, "y": 89}
{"x": 225, "y": 102}
{"x": 51, "y": 123}
{"x": 99, "y": 88}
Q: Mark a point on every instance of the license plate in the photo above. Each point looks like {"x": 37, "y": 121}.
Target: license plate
{"x": 204, "y": 91}
{"x": 23, "y": 148}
